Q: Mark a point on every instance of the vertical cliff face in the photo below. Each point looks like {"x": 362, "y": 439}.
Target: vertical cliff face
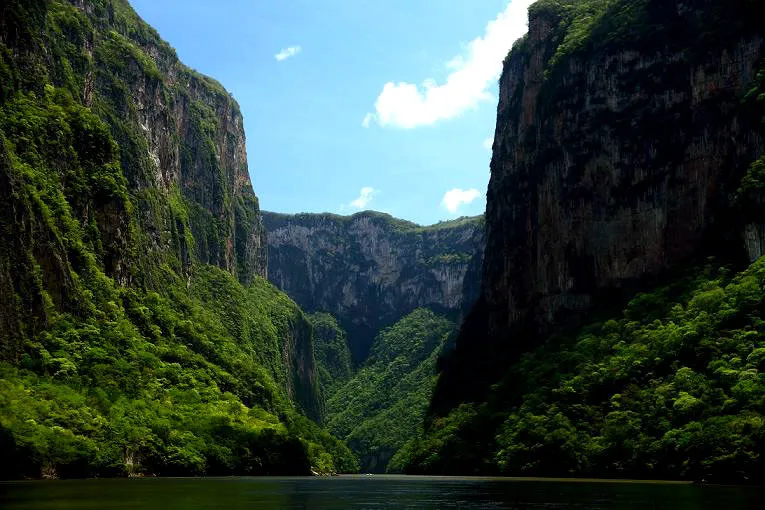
{"x": 369, "y": 269}
{"x": 116, "y": 158}
{"x": 611, "y": 169}
{"x": 621, "y": 139}
{"x": 183, "y": 145}
{"x": 180, "y": 134}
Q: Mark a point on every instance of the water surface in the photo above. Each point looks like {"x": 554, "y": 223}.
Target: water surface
{"x": 369, "y": 492}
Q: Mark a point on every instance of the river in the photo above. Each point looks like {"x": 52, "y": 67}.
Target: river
{"x": 377, "y": 491}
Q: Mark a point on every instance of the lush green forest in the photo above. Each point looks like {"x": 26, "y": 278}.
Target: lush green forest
{"x": 138, "y": 336}
{"x": 380, "y": 408}
{"x": 333, "y": 355}
{"x": 671, "y": 387}
{"x": 126, "y": 348}
{"x": 117, "y": 382}
{"x": 169, "y": 385}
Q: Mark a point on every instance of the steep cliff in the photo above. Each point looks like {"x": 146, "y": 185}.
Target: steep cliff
{"x": 333, "y": 355}
{"x": 181, "y": 150}
{"x": 621, "y": 140}
{"x": 369, "y": 269}
{"x": 181, "y": 134}
{"x": 132, "y": 295}
{"x": 618, "y": 332}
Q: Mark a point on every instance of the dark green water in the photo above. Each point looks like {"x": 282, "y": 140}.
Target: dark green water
{"x": 369, "y": 492}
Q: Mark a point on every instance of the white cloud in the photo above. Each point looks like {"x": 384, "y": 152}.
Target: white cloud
{"x": 405, "y": 105}
{"x": 456, "y": 197}
{"x": 364, "y": 198}
{"x": 488, "y": 143}
{"x": 287, "y": 53}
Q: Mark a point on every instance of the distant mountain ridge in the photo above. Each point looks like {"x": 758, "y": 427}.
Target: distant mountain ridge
{"x": 370, "y": 269}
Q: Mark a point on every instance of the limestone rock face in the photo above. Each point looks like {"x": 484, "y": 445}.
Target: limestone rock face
{"x": 370, "y": 269}
{"x": 188, "y": 197}
{"x": 612, "y": 161}
{"x": 615, "y": 181}
{"x": 183, "y": 137}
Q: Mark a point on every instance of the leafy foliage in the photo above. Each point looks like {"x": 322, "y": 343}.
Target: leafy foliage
{"x": 382, "y": 406}
{"x": 122, "y": 351}
{"x": 589, "y": 26}
{"x": 333, "y": 356}
{"x": 672, "y": 388}
{"x": 159, "y": 385}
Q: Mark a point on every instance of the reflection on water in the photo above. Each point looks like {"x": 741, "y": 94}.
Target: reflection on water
{"x": 370, "y": 492}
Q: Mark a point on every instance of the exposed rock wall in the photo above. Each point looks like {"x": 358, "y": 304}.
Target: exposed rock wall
{"x": 613, "y": 160}
{"x": 180, "y": 192}
{"x": 180, "y": 134}
{"x": 184, "y": 134}
{"x": 369, "y": 269}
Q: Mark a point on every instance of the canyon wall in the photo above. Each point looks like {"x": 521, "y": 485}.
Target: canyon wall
{"x": 370, "y": 269}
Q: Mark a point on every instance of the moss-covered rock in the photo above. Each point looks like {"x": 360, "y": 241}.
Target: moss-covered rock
{"x": 137, "y": 334}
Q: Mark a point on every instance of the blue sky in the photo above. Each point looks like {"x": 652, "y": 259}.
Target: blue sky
{"x": 349, "y": 105}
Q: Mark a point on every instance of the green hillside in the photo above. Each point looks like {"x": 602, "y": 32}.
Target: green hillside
{"x": 138, "y": 335}
{"x": 383, "y": 405}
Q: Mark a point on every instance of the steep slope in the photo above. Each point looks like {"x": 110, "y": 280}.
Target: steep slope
{"x": 621, "y": 140}
{"x": 138, "y": 335}
{"x": 625, "y": 135}
{"x": 380, "y": 408}
{"x": 333, "y": 355}
{"x": 670, "y": 388}
{"x": 179, "y": 151}
{"x": 369, "y": 269}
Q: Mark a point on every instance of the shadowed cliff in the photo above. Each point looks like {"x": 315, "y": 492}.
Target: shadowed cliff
{"x": 622, "y": 136}
{"x": 370, "y": 269}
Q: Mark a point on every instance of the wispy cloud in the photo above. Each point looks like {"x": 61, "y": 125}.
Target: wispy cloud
{"x": 406, "y": 105}
{"x": 488, "y": 143}
{"x": 454, "y": 198}
{"x": 287, "y": 53}
{"x": 366, "y": 195}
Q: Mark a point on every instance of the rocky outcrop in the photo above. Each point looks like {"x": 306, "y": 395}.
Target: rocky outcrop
{"x": 620, "y": 142}
{"x": 180, "y": 134}
{"x": 370, "y": 269}
{"x": 173, "y": 192}
{"x": 185, "y": 136}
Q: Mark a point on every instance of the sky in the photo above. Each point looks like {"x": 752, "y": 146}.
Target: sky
{"x": 351, "y": 105}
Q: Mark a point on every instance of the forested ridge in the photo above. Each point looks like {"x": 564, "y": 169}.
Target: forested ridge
{"x": 381, "y": 407}
{"x": 669, "y": 388}
{"x": 619, "y": 331}
{"x": 134, "y": 340}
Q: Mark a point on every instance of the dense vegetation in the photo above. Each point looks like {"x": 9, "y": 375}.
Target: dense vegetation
{"x": 333, "y": 356}
{"x": 383, "y": 405}
{"x": 669, "y": 384}
{"x": 133, "y": 343}
{"x": 670, "y": 388}
{"x": 161, "y": 385}
{"x": 122, "y": 351}
{"x": 396, "y": 225}
{"x": 585, "y": 27}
